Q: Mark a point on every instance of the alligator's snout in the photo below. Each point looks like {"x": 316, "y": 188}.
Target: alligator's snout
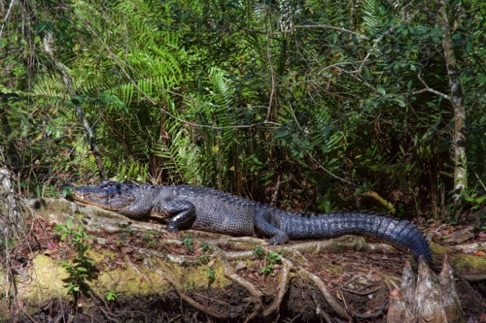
{"x": 110, "y": 195}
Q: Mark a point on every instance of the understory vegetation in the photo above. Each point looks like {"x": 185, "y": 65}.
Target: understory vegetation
{"x": 309, "y": 105}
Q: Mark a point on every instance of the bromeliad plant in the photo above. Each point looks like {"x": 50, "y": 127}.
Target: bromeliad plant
{"x": 80, "y": 267}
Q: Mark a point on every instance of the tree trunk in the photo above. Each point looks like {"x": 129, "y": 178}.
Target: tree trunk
{"x": 428, "y": 298}
{"x": 459, "y": 145}
{"x": 10, "y": 221}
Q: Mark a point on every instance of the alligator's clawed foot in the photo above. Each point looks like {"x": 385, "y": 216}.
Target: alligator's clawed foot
{"x": 172, "y": 232}
{"x": 171, "y": 228}
{"x": 278, "y": 239}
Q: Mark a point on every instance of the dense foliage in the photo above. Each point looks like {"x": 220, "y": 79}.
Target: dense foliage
{"x": 321, "y": 104}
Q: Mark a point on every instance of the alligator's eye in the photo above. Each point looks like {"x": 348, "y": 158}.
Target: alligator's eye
{"x": 110, "y": 190}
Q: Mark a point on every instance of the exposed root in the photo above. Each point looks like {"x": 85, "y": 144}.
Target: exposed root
{"x": 286, "y": 276}
{"x": 282, "y": 290}
{"x": 380, "y": 312}
{"x": 326, "y": 293}
{"x": 474, "y": 278}
{"x": 288, "y": 267}
{"x": 372, "y": 291}
{"x": 178, "y": 288}
{"x": 256, "y": 295}
{"x": 112, "y": 316}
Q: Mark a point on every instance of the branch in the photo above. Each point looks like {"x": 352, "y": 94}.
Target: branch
{"x": 314, "y": 159}
{"x": 332, "y": 27}
{"x": 6, "y": 17}
{"x": 272, "y": 76}
{"x": 429, "y": 89}
{"x": 375, "y": 43}
{"x": 328, "y": 171}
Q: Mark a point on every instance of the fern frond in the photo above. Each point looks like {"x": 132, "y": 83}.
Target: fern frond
{"x": 370, "y": 15}
{"x": 49, "y": 86}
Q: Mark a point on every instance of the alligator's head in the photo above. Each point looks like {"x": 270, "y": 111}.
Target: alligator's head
{"x": 111, "y": 196}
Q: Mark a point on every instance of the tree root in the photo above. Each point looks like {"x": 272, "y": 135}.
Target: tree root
{"x": 326, "y": 293}
{"x": 235, "y": 270}
{"x": 256, "y": 295}
{"x": 273, "y": 309}
{"x": 178, "y": 288}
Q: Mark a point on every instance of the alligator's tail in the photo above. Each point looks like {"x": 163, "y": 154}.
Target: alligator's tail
{"x": 399, "y": 233}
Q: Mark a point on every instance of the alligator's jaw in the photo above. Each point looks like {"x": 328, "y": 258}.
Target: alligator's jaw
{"x": 107, "y": 196}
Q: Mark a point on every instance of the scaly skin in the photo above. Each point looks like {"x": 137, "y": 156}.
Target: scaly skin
{"x": 206, "y": 209}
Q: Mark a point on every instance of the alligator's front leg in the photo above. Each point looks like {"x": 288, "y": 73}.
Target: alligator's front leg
{"x": 181, "y": 214}
{"x": 265, "y": 223}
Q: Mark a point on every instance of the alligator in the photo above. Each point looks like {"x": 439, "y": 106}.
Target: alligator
{"x": 205, "y": 209}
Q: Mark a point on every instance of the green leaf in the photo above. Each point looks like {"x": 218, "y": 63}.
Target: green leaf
{"x": 381, "y": 90}
{"x": 69, "y": 223}
{"x": 115, "y": 100}
{"x": 67, "y": 192}
{"x": 41, "y": 26}
{"x": 78, "y": 99}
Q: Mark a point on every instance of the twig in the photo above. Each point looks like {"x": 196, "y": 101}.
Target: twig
{"x": 6, "y": 17}
{"x": 333, "y": 28}
{"x": 480, "y": 181}
{"x": 272, "y": 76}
{"x": 328, "y": 171}
{"x": 429, "y": 89}
{"x": 275, "y": 193}
{"x": 47, "y": 40}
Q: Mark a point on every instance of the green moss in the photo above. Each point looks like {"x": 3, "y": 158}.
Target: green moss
{"x": 134, "y": 280}
{"x": 462, "y": 263}
{"x": 48, "y": 275}
{"x": 195, "y": 277}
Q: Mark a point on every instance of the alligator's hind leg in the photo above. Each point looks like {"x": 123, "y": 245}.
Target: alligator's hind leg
{"x": 266, "y": 225}
{"x": 182, "y": 214}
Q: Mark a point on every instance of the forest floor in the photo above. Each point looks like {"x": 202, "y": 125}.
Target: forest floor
{"x": 141, "y": 273}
